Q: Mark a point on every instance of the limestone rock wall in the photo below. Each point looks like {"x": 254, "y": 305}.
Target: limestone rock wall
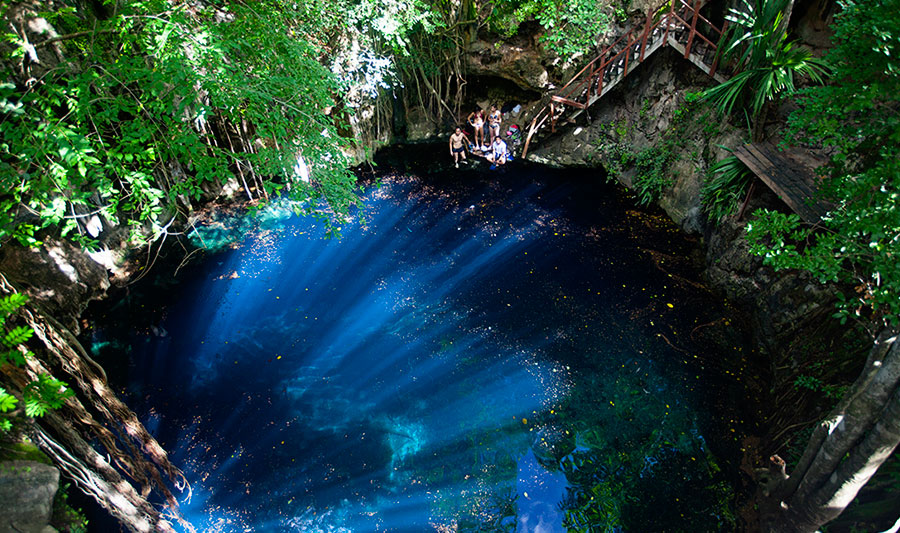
{"x": 635, "y": 117}
{"x": 27, "y": 489}
{"x": 58, "y": 276}
{"x": 650, "y": 116}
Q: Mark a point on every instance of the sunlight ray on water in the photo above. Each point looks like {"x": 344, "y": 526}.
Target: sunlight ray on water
{"x": 459, "y": 361}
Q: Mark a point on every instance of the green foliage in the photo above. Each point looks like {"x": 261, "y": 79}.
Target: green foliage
{"x": 815, "y": 384}
{"x": 11, "y": 303}
{"x": 8, "y": 402}
{"x": 570, "y": 27}
{"x": 652, "y": 174}
{"x": 391, "y": 22}
{"x": 726, "y": 184}
{"x": 858, "y": 117}
{"x": 64, "y": 517}
{"x": 767, "y": 63}
{"x": 616, "y": 158}
{"x": 645, "y": 109}
{"x": 11, "y": 339}
{"x": 167, "y": 99}
{"x": 37, "y": 396}
{"x": 44, "y": 394}
{"x": 17, "y": 335}
{"x": 652, "y": 166}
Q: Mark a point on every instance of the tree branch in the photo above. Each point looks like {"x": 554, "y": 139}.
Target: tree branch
{"x": 69, "y": 36}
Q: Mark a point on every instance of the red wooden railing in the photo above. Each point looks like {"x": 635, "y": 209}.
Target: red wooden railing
{"x": 673, "y": 23}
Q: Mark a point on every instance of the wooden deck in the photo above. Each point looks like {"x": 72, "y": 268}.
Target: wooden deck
{"x": 791, "y": 176}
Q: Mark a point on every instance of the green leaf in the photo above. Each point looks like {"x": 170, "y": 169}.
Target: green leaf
{"x": 17, "y": 336}
{"x": 35, "y": 407}
{"x": 12, "y": 302}
{"x": 13, "y": 356}
{"x": 44, "y": 394}
{"x": 7, "y": 401}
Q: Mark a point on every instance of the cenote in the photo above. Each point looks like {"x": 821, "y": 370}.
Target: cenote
{"x": 522, "y": 350}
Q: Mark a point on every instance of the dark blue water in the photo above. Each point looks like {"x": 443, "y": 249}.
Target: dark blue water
{"x": 518, "y": 351}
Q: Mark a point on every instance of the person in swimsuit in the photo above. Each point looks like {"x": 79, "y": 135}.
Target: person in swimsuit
{"x": 476, "y": 120}
{"x": 494, "y": 120}
{"x": 458, "y": 142}
{"x": 498, "y": 153}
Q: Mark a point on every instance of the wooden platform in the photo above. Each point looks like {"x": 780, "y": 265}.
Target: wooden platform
{"x": 791, "y": 176}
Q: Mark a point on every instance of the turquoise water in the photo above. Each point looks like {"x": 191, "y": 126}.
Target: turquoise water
{"x": 517, "y": 351}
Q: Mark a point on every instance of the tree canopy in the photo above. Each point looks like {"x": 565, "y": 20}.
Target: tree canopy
{"x": 134, "y": 110}
{"x": 124, "y": 112}
{"x": 857, "y": 118}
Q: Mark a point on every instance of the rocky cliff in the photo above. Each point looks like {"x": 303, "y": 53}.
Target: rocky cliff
{"x": 655, "y": 136}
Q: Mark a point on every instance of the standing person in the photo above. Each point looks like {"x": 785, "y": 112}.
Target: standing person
{"x": 476, "y": 119}
{"x": 458, "y": 143}
{"x": 494, "y": 120}
{"x": 499, "y": 153}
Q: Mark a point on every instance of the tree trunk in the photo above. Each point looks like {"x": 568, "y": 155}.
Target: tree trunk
{"x": 846, "y": 449}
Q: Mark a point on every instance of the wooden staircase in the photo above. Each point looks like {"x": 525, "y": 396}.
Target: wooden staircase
{"x": 676, "y": 23}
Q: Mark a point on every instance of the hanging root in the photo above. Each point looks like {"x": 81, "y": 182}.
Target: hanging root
{"x": 97, "y": 413}
{"x": 93, "y": 475}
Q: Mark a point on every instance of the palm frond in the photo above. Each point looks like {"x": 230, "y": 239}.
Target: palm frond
{"x": 726, "y": 184}
{"x": 767, "y": 63}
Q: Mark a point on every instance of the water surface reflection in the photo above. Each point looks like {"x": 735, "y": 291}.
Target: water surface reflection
{"x": 510, "y": 352}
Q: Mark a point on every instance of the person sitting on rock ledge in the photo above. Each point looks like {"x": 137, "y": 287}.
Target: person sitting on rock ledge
{"x": 458, "y": 143}
{"x": 498, "y": 154}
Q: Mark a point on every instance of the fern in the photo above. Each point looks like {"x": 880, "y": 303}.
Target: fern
{"x": 726, "y": 184}
{"x": 11, "y": 303}
{"x": 17, "y": 336}
{"x": 13, "y": 356}
{"x": 7, "y": 401}
{"x": 44, "y": 394}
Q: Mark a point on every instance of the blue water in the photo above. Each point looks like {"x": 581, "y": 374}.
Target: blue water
{"x": 518, "y": 351}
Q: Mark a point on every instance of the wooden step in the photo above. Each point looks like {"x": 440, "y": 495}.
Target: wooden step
{"x": 570, "y": 106}
{"x": 696, "y": 59}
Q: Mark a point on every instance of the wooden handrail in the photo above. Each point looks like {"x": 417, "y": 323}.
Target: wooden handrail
{"x": 576, "y": 93}
{"x": 690, "y": 42}
{"x": 696, "y": 33}
{"x": 715, "y": 65}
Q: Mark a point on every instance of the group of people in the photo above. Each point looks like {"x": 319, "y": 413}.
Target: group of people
{"x": 497, "y": 152}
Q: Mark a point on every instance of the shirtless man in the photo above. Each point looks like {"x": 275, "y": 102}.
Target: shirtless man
{"x": 458, "y": 142}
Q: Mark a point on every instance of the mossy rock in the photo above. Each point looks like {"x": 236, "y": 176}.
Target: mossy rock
{"x": 22, "y": 451}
